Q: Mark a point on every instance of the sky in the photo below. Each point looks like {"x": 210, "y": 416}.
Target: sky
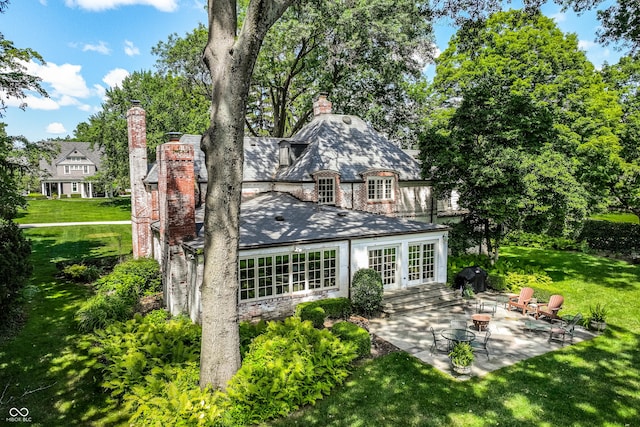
{"x": 92, "y": 45}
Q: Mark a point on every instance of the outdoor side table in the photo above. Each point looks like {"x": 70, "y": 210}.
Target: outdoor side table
{"x": 480, "y": 321}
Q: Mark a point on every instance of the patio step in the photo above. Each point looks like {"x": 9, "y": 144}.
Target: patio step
{"x": 420, "y": 298}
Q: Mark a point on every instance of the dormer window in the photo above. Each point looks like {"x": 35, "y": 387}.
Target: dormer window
{"x": 379, "y": 188}
{"x": 326, "y": 191}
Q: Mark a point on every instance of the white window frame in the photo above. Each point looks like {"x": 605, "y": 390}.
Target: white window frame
{"x": 422, "y": 261}
{"x": 326, "y": 190}
{"x": 384, "y": 260}
{"x": 286, "y": 273}
{"x": 380, "y": 188}
{"x": 74, "y": 187}
{"x": 67, "y": 169}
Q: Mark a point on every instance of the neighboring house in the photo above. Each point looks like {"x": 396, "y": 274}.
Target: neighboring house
{"x": 318, "y": 206}
{"x": 69, "y": 171}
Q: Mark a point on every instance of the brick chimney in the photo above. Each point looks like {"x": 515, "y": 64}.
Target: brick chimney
{"x": 321, "y": 105}
{"x": 176, "y": 190}
{"x": 140, "y": 203}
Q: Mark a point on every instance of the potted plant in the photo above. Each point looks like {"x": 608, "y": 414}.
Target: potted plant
{"x": 598, "y": 317}
{"x": 461, "y": 358}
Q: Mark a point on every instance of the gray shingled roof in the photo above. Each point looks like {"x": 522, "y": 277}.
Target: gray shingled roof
{"x": 307, "y": 222}
{"x": 349, "y": 146}
{"x": 344, "y": 144}
{"x": 66, "y": 148}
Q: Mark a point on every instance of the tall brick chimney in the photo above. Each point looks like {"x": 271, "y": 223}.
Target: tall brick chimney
{"x": 321, "y": 105}
{"x": 176, "y": 190}
{"x": 140, "y": 203}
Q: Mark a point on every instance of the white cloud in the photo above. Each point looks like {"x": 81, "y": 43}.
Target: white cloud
{"x": 100, "y": 5}
{"x": 65, "y": 79}
{"x": 586, "y": 45}
{"x": 115, "y": 77}
{"x": 33, "y": 102}
{"x": 101, "y": 47}
{"x": 559, "y": 17}
{"x": 130, "y": 49}
{"x": 43, "y": 2}
{"x": 56, "y": 128}
{"x": 100, "y": 90}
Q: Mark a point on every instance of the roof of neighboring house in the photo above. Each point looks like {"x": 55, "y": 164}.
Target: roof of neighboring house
{"x": 277, "y": 219}
{"x": 348, "y": 146}
{"x": 343, "y": 144}
{"x": 67, "y": 149}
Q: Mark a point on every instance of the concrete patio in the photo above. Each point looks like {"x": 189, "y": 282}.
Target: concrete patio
{"x": 509, "y": 342}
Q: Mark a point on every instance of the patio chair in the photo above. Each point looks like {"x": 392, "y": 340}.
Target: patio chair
{"x": 438, "y": 344}
{"x": 551, "y": 308}
{"x": 481, "y": 346}
{"x": 521, "y": 301}
{"x": 561, "y": 328}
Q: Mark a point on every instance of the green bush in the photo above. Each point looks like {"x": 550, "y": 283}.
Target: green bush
{"x": 248, "y": 331}
{"x": 355, "y": 335}
{"x": 543, "y": 241}
{"x": 617, "y": 237}
{"x": 334, "y": 308}
{"x": 131, "y": 351}
{"x": 290, "y": 365}
{"x": 315, "y": 314}
{"x": 118, "y": 293}
{"x": 366, "y": 291}
{"x": 75, "y": 196}
{"x": 81, "y": 273}
{"x": 15, "y": 267}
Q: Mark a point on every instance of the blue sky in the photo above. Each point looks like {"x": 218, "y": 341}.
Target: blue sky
{"x": 91, "y": 45}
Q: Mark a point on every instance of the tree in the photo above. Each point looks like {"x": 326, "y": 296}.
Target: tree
{"x": 169, "y": 107}
{"x": 322, "y": 46}
{"x": 623, "y": 78}
{"x": 523, "y": 127}
{"x": 230, "y": 56}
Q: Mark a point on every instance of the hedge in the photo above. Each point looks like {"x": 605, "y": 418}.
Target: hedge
{"x": 618, "y": 237}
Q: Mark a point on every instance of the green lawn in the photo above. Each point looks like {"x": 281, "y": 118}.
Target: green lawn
{"x": 41, "y": 369}
{"x": 617, "y": 217}
{"x": 594, "y": 383}
{"x": 67, "y": 210}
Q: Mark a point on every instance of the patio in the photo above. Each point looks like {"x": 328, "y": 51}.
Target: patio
{"x": 510, "y": 341}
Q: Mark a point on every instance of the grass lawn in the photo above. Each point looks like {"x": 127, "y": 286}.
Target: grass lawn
{"x": 71, "y": 210}
{"x": 617, "y": 217}
{"x": 40, "y": 369}
{"x": 594, "y": 383}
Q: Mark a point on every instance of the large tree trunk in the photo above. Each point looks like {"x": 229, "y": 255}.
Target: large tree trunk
{"x": 230, "y": 59}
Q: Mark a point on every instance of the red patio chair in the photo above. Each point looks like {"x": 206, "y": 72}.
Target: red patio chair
{"x": 551, "y": 308}
{"x": 521, "y": 301}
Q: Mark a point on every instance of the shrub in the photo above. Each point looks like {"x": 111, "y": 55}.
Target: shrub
{"x": 15, "y": 268}
{"x": 248, "y": 331}
{"x": 532, "y": 240}
{"x": 315, "y": 314}
{"x": 81, "y": 273}
{"x": 355, "y": 335}
{"x": 366, "y": 291}
{"x": 622, "y": 238}
{"x": 290, "y": 365}
{"x": 334, "y": 308}
{"x": 118, "y": 294}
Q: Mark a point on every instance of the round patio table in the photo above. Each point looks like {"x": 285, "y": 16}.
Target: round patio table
{"x": 455, "y": 336}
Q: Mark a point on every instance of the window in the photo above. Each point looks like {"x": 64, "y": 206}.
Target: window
{"x": 384, "y": 261}
{"x": 85, "y": 169}
{"x": 326, "y": 191}
{"x": 380, "y": 188}
{"x": 281, "y": 274}
{"x": 422, "y": 261}
{"x": 66, "y": 169}
{"x": 74, "y": 187}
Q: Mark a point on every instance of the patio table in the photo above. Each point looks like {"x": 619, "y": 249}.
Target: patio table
{"x": 455, "y": 336}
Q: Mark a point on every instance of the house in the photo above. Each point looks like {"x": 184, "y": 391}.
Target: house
{"x": 68, "y": 173}
{"x": 334, "y": 198}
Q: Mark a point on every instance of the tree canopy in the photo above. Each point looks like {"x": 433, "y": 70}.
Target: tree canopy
{"x": 522, "y": 126}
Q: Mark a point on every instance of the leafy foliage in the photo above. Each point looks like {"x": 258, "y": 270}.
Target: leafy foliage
{"x": 15, "y": 266}
{"x": 334, "y": 308}
{"x": 291, "y": 365}
{"x": 366, "y": 291}
{"x": 351, "y": 333}
{"x": 462, "y": 354}
{"x": 621, "y": 237}
{"x": 81, "y": 273}
{"x": 118, "y": 293}
{"x": 527, "y": 140}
